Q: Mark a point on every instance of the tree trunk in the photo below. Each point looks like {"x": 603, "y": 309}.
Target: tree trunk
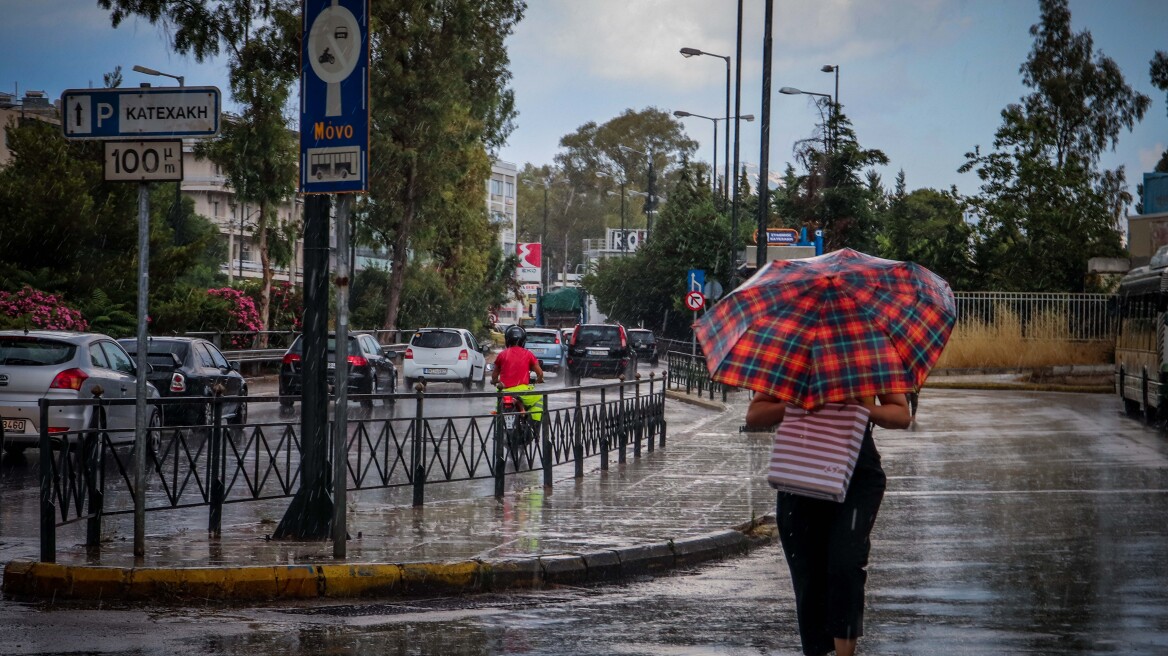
{"x": 397, "y": 273}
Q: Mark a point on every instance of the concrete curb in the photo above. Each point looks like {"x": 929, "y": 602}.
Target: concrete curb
{"x": 708, "y": 404}
{"x": 283, "y": 582}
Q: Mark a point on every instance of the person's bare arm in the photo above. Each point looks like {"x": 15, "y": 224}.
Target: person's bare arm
{"x": 538, "y": 372}
{"x": 495, "y": 371}
{"x": 891, "y": 412}
{"x": 765, "y": 410}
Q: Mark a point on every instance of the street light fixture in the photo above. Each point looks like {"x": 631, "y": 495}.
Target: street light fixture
{"x": 151, "y": 71}
{"x": 693, "y": 52}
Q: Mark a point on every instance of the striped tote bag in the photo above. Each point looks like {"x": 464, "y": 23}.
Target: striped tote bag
{"x": 814, "y": 452}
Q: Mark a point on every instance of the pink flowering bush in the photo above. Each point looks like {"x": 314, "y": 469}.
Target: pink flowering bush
{"x": 32, "y": 308}
{"x": 242, "y": 315}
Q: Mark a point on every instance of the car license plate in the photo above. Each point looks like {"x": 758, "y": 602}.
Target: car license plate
{"x": 332, "y": 365}
{"x": 14, "y": 425}
{"x": 509, "y": 421}
{"x": 434, "y": 371}
{"x": 538, "y": 351}
{"x": 597, "y": 351}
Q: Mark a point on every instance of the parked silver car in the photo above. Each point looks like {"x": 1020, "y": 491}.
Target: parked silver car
{"x": 63, "y": 365}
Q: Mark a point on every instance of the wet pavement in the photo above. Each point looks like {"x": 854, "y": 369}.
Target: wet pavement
{"x": 1015, "y": 522}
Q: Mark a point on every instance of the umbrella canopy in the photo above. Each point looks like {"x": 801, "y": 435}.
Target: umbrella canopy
{"x": 829, "y": 328}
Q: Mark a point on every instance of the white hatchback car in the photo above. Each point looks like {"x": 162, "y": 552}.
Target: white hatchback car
{"x": 444, "y": 354}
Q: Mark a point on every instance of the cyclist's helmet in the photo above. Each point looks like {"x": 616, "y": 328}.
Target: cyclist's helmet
{"x": 515, "y": 336}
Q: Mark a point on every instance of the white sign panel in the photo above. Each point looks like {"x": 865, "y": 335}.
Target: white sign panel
{"x": 629, "y": 238}
{"x": 143, "y": 161}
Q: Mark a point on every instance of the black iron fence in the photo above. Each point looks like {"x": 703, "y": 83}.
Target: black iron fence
{"x": 688, "y": 372}
{"x": 88, "y": 474}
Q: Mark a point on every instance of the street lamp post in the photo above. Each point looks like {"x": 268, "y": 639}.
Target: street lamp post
{"x": 792, "y": 91}
{"x": 691, "y": 52}
{"x": 175, "y": 222}
{"x": 830, "y": 68}
{"x": 623, "y": 233}
{"x": 651, "y": 190}
{"x": 734, "y": 224}
{"x": 714, "y": 169}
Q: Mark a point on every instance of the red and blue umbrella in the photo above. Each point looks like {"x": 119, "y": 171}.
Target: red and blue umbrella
{"x": 829, "y": 328}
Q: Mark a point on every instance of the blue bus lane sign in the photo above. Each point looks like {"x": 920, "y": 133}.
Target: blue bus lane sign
{"x": 334, "y": 97}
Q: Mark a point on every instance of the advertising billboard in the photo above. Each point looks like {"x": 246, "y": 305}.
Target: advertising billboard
{"x": 530, "y": 259}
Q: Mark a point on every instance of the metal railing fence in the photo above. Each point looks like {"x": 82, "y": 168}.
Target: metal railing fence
{"x": 688, "y": 372}
{"x": 1069, "y": 316}
{"x": 88, "y": 474}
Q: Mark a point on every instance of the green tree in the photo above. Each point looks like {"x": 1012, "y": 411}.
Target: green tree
{"x": 440, "y": 102}
{"x": 261, "y": 41}
{"x": 647, "y": 288}
{"x": 1158, "y": 71}
{"x": 1045, "y": 207}
{"x": 66, "y": 231}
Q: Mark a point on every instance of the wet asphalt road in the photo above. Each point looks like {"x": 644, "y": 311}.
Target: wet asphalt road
{"x": 1015, "y": 523}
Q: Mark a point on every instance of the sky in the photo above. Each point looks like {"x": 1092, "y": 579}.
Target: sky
{"x": 922, "y": 80}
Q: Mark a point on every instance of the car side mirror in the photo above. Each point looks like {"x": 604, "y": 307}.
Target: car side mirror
{"x": 234, "y": 364}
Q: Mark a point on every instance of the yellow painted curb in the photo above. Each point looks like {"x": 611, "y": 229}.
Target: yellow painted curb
{"x": 341, "y": 581}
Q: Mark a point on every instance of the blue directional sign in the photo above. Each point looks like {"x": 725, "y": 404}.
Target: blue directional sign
{"x": 695, "y": 280}
{"x": 142, "y": 113}
{"x": 334, "y": 97}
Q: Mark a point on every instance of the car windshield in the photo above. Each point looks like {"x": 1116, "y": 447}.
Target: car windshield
{"x": 641, "y": 338}
{"x": 159, "y": 353}
{"x": 437, "y": 339}
{"x": 18, "y": 350}
{"x": 354, "y": 349}
{"x": 541, "y": 338}
{"x": 598, "y": 336}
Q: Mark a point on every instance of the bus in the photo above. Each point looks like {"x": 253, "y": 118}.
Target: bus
{"x": 1141, "y": 369}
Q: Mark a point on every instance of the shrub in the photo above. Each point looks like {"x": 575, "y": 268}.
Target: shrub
{"x": 32, "y": 308}
{"x": 242, "y": 316}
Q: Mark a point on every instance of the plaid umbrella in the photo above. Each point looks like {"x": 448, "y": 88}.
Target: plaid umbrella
{"x": 829, "y": 328}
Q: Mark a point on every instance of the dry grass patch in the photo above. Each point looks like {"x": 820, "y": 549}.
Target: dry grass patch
{"x": 1043, "y": 342}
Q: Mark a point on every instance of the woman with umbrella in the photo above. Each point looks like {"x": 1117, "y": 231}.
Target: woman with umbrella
{"x": 826, "y": 543}
{"x": 838, "y": 328}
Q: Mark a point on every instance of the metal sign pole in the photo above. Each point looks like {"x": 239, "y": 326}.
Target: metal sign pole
{"x": 341, "y": 353}
{"x": 140, "y": 424}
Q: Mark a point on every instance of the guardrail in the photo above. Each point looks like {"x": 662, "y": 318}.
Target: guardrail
{"x": 88, "y": 474}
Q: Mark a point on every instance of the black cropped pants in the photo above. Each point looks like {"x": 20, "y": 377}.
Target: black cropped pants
{"x": 826, "y": 546}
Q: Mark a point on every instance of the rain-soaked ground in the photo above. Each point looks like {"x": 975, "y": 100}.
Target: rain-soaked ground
{"x": 1015, "y": 523}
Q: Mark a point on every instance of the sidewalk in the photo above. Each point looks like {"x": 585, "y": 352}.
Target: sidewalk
{"x": 703, "y": 496}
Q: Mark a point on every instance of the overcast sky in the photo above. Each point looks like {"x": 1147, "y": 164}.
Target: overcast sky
{"x": 922, "y": 80}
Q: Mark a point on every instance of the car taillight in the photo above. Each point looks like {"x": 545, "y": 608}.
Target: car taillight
{"x": 557, "y": 340}
{"x": 575, "y": 332}
{"x": 358, "y": 361}
{"x": 69, "y": 379}
{"x": 409, "y": 354}
{"x": 463, "y": 355}
{"x": 58, "y": 429}
{"x": 624, "y": 340}
{"x": 178, "y": 382}
{"x": 289, "y": 358}
{"x": 508, "y": 401}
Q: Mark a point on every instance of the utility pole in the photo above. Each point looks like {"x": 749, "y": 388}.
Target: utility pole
{"x": 764, "y": 199}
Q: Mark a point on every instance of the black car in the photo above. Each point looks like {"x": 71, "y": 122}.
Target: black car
{"x": 600, "y": 349}
{"x": 371, "y": 371}
{"x": 645, "y": 344}
{"x": 191, "y": 367}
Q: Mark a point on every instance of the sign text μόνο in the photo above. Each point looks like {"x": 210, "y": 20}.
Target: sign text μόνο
{"x": 329, "y": 131}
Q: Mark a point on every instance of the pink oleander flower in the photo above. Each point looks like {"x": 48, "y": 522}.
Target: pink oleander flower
{"x": 42, "y": 310}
